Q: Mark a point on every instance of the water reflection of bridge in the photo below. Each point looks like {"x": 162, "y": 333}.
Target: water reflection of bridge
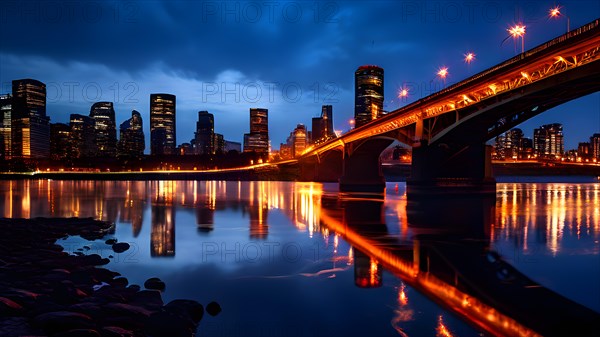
{"x": 449, "y": 260}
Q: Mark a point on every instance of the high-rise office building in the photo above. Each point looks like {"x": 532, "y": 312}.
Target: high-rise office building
{"x": 30, "y": 127}
{"x": 368, "y": 94}
{"x": 105, "y": 128}
{"x": 299, "y": 140}
{"x": 219, "y": 143}
{"x": 548, "y": 141}
{"x": 526, "y": 148}
{"x": 82, "y": 136}
{"x": 205, "y": 133}
{"x": 595, "y": 146}
{"x": 131, "y": 136}
{"x": 258, "y": 138}
{"x": 318, "y": 131}
{"x": 5, "y": 126}
{"x": 322, "y": 127}
{"x": 327, "y": 115}
{"x": 513, "y": 143}
{"x": 584, "y": 151}
{"x": 60, "y": 141}
{"x": 163, "y": 136}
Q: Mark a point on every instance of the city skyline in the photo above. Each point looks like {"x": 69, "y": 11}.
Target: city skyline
{"x": 101, "y": 130}
{"x": 319, "y": 62}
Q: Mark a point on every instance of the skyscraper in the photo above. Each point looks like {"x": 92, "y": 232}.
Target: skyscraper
{"x": 368, "y": 94}
{"x": 205, "y": 133}
{"x": 163, "y": 137}
{"x": 595, "y": 146}
{"x": 60, "y": 141}
{"x": 322, "y": 127}
{"x": 82, "y": 136}
{"x": 5, "y": 126}
{"x": 318, "y": 131}
{"x": 327, "y": 115}
{"x": 299, "y": 140}
{"x": 548, "y": 142}
{"x": 218, "y": 143}
{"x": 131, "y": 136}
{"x": 103, "y": 114}
{"x": 30, "y": 127}
{"x": 258, "y": 138}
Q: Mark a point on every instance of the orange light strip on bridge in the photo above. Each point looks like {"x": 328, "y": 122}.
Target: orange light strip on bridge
{"x": 474, "y": 310}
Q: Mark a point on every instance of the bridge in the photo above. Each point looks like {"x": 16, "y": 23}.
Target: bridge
{"x": 451, "y": 262}
{"x": 448, "y": 129}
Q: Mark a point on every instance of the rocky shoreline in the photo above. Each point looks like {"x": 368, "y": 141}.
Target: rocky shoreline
{"x": 45, "y": 291}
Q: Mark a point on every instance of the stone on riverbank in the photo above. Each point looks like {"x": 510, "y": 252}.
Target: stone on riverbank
{"x": 46, "y": 291}
{"x": 154, "y": 283}
{"x": 120, "y": 247}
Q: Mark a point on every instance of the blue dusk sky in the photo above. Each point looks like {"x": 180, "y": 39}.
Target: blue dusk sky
{"x": 289, "y": 57}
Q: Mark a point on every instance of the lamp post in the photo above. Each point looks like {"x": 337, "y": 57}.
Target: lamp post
{"x": 469, "y": 57}
{"x": 443, "y": 73}
{"x": 518, "y": 31}
{"x": 555, "y": 12}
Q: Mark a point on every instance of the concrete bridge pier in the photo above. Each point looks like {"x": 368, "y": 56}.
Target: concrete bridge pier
{"x": 440, "y": 169}
{"x": 362, "y": 169}
{"x": 327, "y": 168}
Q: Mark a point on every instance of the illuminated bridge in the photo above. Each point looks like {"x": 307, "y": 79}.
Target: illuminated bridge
{"x": 448, "y": 129}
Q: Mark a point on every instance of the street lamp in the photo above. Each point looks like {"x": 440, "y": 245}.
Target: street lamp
{"x": 443, "y": 73}
{"x": 402, "y": 94}
{"x": 556, "y": 13}
{"x": 517, "y": 31}
{"x": 469, "y": 57}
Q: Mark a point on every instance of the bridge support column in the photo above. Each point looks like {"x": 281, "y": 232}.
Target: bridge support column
{"x": 442, "y": 170}
{"x": 362, "y": 169}
{"x": 328, "y": 168}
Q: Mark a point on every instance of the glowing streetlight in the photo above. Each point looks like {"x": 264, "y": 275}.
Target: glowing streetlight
{"x": 403, "y": 93}
{"x": 556, "y": 13}
{"x": 351, "y": 122}
{"x": 443, "y": 73}
{"x": 469, "y": 57}
{"x": 517, "y": 31}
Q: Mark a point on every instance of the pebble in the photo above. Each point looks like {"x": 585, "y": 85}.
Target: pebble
{"x": 120, "y": 247}
{"x": 46, "y": 291}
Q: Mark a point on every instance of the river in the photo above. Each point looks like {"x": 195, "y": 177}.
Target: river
{"x": 293, "y": 258}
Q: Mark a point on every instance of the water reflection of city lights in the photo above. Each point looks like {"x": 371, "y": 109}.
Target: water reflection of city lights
{"x": 441, "y": 329}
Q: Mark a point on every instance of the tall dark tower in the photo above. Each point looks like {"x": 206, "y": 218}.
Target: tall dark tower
{"x": 30, "y": 134}
{"x": 132, "y": 141}
{"x": 105, "y": 128}
{"x": 327, "y": 115}
{"x": 82, "y": 136}
{"x": 163, "y": 140}
{"x": 258, "y": 138}
{"x": 205, "y": 133}
{"x": 5, "y": 126}
{"x": 368, "y": 94}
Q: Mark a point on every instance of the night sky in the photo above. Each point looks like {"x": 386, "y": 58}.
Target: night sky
{"x": 289, "y": 57}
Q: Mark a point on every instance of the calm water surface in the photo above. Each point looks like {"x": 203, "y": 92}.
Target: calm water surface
{"x": 285, "y": 258}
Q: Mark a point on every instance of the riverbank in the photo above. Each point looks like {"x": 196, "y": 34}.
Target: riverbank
{"x": 270, "y": 172}
{"x": 46, "y": 291}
